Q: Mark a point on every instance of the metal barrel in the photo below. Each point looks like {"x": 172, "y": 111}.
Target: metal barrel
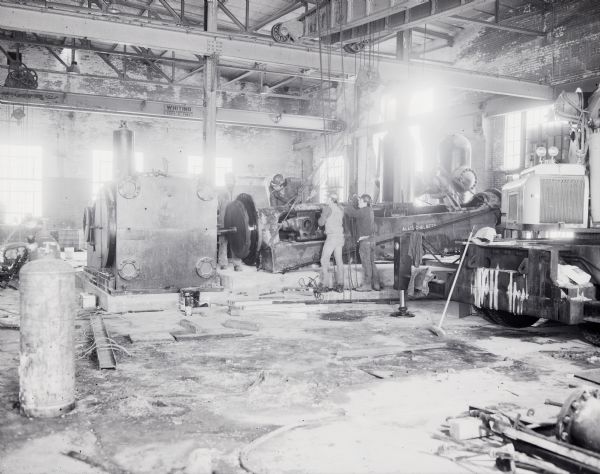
{"x": 47, "y": 364}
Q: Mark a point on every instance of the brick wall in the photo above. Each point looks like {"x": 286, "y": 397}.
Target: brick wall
{"x": 571, "y": 50}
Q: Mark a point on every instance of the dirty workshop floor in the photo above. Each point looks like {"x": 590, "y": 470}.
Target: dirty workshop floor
{"x": 286, "y": 388}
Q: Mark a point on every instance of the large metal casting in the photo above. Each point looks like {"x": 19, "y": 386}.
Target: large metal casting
{"x": 151, "y": 232}
{"x": 278, "y": 239}
{"x": 154, "y": 233}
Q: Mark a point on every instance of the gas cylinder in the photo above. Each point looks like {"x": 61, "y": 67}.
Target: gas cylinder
{"x": 47, "y": 362}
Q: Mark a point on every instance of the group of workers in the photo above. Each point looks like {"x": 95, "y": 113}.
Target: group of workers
{"x": 332, "y": 218}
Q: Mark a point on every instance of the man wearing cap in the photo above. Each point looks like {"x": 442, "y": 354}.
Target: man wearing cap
{"x": 365, "y": 227}
{"x": 332, "y": 218}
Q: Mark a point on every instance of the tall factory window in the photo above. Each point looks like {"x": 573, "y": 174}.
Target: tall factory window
{"x": 333, "y": 177}
{"x": 512, "y": 140}
{"x": 222, "y": 167}
{"x": 102, "y": 167}
{"x": 194, "y": 164}
{"x": 539, "y": 116}
{"x": 20, "y": 182}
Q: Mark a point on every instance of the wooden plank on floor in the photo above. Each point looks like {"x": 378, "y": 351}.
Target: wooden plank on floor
{"x": 386, "y": 350}
{"x": 191, "y": 336}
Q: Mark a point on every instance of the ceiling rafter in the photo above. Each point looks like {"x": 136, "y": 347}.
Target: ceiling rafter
{"x": 231, "y": 46}
{"x": 277, "y": 15}
{"x": 231, "y": 16}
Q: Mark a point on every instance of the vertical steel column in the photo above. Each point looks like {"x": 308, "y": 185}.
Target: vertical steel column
{"x": 210, "y": 95}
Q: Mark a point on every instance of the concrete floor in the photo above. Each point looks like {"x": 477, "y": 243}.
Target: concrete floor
{"x": 311, "y": 390}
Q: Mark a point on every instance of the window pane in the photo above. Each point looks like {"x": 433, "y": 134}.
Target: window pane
{"x": 512, "y": 141}
{"x": 20, "y": 182}
{"x": 333, "y": 178}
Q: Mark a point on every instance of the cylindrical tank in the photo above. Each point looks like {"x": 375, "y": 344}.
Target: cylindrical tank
{"x": 123, "y": 154}
{"x": 47, "y": 365}
{"x": 594, "y": 147}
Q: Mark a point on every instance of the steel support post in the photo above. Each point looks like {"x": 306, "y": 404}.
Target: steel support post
{"x": 210, "y": 95}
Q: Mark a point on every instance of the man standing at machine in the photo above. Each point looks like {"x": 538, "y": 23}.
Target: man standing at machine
{"x": 332, "y": 218}
{"x": 363, "y": 214}
{"x": 223, "y": 199}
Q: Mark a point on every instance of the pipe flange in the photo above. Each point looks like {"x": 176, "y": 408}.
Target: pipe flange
{"x": 129, "y": 187}
{"x": 567, "y": 418}
{"x": 128, "y": 269}
{"x": 206, "y": 267}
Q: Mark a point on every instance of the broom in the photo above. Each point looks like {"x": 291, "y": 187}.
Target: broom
{"x": 437, "y": 329}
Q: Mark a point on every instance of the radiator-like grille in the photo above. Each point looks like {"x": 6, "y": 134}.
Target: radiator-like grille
{"x": 562, "y": 200}
{"x": 513, "y": 208}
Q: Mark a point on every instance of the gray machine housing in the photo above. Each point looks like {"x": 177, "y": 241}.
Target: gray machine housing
{"x": 153, "y": 233}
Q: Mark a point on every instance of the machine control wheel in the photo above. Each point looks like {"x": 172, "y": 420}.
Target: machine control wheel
{"x": 278, "y": 35}
{"x": 504, "y": 318}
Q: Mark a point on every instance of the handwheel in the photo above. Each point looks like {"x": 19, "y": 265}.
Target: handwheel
{"x": 590, "y": 332}
{"x": 277, "y": 35}
{"x": 504, "y": 318}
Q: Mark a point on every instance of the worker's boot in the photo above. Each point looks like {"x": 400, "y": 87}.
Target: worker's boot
{"x": 376, "y": 286}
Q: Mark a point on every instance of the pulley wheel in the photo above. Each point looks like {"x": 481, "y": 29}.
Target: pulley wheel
{"x": 88, "y": 224}
{"x": 242, "y": 215}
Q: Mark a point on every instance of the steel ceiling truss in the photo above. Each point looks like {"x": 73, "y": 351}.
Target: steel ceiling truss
{"x": 240, "y": 48}
{"x": 167, "y": 66}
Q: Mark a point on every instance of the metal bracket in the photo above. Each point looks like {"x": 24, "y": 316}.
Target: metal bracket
{"x": 214, "y": 46}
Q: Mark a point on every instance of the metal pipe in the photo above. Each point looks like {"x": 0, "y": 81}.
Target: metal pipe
{"x": 123, "y": 156}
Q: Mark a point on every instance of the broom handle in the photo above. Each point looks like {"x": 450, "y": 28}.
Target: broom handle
{"x": 462, "y": 259}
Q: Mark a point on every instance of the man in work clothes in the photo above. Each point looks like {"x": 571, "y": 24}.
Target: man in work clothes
{"x": 332, "y": 218}
{"x": 223, "y": 199}
{"x": 365, "y": 227}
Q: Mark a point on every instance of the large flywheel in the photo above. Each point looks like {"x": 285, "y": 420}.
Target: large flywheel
{"x": 244, "y": 242}
{"x": 105, "y": 225}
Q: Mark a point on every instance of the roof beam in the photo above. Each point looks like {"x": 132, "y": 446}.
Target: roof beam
{"x": 281, "y": 83}
{"x": 149, "y": 108}
{"x": 392, "y": 19}
{"x": 277, "y": 15}
{"x": 193, "y": 40}
{"x": 231, "y": 16}
{"x": 435, "y": 34}
{"x": 499, "y": 26}
{"x": 171, "y": 11}
{"x": 237, "y": 78}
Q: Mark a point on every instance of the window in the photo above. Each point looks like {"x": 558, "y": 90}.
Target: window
{"x": 20, "y": 182}
{"x": 195, "y": 164}
{"x": 539, "y": 116}
{"x": 333, "y": 177}
{"x": 222, "y": 167}
{"x": 512, "y": 141}
{"x": 102, "y": 168}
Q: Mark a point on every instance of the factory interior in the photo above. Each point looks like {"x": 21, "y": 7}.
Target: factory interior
{"x": 299, "y": 236}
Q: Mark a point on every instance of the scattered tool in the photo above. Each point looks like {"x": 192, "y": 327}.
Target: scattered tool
{"x": 437, "y": 329}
